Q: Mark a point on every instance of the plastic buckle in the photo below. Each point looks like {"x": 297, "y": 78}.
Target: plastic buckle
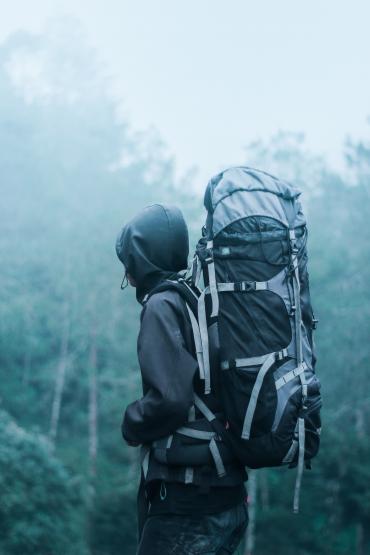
{"x": 245, "y": 286}
{"x": 239, "y": 286}
{"x": 209, "y": 257}
{"x": 314, "y": 323}
{"x": 249, "y": 285}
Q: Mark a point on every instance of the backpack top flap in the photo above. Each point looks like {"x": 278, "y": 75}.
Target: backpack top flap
{"x": 241, "y": 192}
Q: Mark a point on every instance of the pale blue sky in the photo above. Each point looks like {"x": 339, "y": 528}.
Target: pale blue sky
{"x": 212, "y": 75}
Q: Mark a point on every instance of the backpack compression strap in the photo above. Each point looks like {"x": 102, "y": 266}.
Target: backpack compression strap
{"x": 191, "y": 301}
{"x": 299, "y": 357}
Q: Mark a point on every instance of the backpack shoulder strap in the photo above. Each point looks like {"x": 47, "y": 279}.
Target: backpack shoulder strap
{"x": 190, "y": 297}
{"x": 184, "y": 289}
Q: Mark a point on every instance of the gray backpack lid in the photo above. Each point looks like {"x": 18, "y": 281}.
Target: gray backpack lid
{"x": 240, "y": 192}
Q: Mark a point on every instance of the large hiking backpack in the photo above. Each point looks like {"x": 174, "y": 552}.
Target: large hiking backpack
{"x": 254, "y": 311}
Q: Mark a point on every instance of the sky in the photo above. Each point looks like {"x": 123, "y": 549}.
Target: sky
{"x": 212, "y": 76}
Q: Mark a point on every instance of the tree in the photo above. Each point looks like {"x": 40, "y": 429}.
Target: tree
{"x": 41, "y": 509}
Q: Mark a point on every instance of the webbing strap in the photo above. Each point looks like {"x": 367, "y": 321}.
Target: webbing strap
{"x": 299, "y": 356}
{"x": 212, "y": 283}
{"x": 217, "y": 458}
{"x": 198, "y": 272}
{"x": 164, "y": 443}
{"x": 290, "y": 375}
{"x": 297, "y": 297}
{"x": 197, "y": 341}
{"x": 196, "y": 434}
{"x": 226, "y": 287}
{"x": 191, "y": 414}
{"x": 189, "y": 474}
{"x": 301, "y": 442}
{"x": 251, "y": 361}
{"x": 291, "y": 453}
{"x": 203, "y": 330}
{"x": 298, "y": 482}
{"x": 145, "y": 454}
{"x": 240, "y": 362}
{"x": 202, "y": 407}
{"x": 297, "y": 315}
{"x": 254, "y": 395}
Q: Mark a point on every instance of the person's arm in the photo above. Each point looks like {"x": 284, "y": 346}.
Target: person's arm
{"x": 167, "y": 369}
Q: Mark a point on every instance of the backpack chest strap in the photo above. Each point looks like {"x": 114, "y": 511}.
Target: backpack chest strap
{"x": 242, "y": 286}
{"x": 253, "y": 361}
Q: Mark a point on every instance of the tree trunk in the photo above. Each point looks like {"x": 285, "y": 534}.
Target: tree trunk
{"x": 360, "y": 432}
{"x": 60, "y": 376}
{"x": 360, "y": 543}
{"x": 252, "y": 500}
{"x": 265, "y": 490}
{"x": 27, "y": 345}
{"x": 93, "y": 404}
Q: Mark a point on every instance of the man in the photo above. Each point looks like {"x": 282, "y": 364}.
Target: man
{"x": 182, "y": 509}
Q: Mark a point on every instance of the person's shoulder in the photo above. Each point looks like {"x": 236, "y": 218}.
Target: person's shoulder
{"x": 164, "y": 299}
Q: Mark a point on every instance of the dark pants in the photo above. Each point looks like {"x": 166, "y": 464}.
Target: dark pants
{"x": 216, "y": 534}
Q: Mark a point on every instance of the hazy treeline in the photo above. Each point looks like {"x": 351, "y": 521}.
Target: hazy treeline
{"x": 71, "y": 174}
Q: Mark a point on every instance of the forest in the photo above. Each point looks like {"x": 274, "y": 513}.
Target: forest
{"x": 72, "y": 173}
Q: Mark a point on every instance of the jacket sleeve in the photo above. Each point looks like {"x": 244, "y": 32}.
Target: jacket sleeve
{"x": 167, "y": 369}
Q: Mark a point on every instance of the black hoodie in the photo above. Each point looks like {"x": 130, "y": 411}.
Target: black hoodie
{"x": 154, "y": 247}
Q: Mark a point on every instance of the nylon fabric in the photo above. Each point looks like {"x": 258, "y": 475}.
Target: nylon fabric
{"x": 244, "y": 362}
{"x": 244, "y": 178}
{"x": 197, "y": 341}
{"x": 301, "y": 443}
{"x": 203, "y": 329}
{"x": 243, "y": 204}
{"x": 197, "y": 434}
{"x": 189, "y": 475}
{"x": 254, "y": 395}
{"x": 154, "y": 246}
{"x": 202, "y": 407}
{"x": 296, "y": 372}
{"x": 145, "y": 453}
{"x": 217, "y": 458}
{"x": 291, "y": 453}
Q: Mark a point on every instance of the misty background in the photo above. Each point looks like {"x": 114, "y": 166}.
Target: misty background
{"x": 105, "y": 108}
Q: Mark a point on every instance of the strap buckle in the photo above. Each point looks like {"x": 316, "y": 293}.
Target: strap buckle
{"x": 244, "y": 286}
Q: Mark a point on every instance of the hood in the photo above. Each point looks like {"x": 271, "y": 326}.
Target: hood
{"x": 154, "y": 246}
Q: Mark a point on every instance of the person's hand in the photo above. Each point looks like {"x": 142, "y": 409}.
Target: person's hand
{"x": 129, "y": 441}
{"x": 132, "y": 443}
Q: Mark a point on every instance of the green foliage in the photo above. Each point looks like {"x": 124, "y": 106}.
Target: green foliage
{"x": 108, "y": 536}
{"x": 42, "y": 507}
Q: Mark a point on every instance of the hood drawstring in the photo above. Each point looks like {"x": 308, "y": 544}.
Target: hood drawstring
{"x": 124, "y": 283}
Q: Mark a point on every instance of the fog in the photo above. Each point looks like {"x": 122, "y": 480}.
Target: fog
{"x": 105, "y": 109}
{"x": 212, "y": 76}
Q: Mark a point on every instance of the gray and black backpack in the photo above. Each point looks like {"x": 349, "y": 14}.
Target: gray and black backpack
{"x": 256, "y": 399}
{"x": 255, "y": 318}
